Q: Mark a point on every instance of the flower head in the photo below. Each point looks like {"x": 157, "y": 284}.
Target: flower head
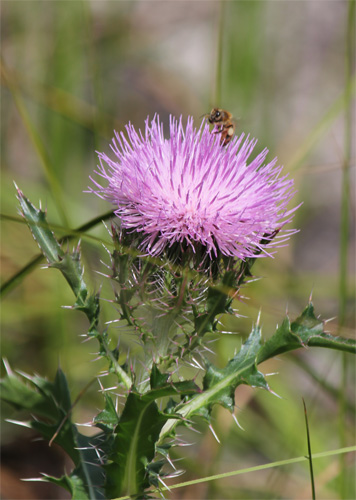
{"x": 190, "y": 191}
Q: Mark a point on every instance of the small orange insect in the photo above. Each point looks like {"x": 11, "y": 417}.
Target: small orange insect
{"x": 224, "y": 124}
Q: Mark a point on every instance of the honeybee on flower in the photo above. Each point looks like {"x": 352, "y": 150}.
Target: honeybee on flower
{"x": 224, "y": 124}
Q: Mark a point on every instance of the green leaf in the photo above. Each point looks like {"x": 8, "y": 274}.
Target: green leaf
{"x": 306, "y": 330}
{"x": 36, "y": 219}
{"x": 72, "y": 483}
{"x": 161, "y": 387}
{"x": 131, "y": 470}
{"x": 70, "y": 266}
{"x": 66, "y": 438}
{"x": 61, "y": 391}
{"x": 23, "y": 397}
{"x": 220, "y": 384}
{"x": 50, "y": 404}
{"x": 134, "y": 446}
{"x": 218, "y": 302}
{"x": 157, "y": 379}
{"x": 16, "y": 278}
{"x": 107, "y": 419}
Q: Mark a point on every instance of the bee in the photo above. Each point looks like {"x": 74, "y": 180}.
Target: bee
{"x": 224, "y": 124}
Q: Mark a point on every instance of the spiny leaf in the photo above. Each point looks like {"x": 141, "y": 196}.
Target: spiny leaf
{"x": 218, "y": 302}
{"x": 50, "y": 403}
{"x": 161, "y": 387}
{"x": 36, "y": 219}
{"x": 66, "y": 438}
{"x": 70, "y": 266}
{"x": 134, "y": 446}
{"x": 23, "y": 397}
{"x": 16, "y": 279}
{"x": 61, "y": 391}
{"x": 131, "y": 470}
{"x": 306, "y": 330}
{"x": 107, "y": 419}
{"x": 157, "y": 379}
{"x": 73, "y": 483}
{"x": 219, "y": 384}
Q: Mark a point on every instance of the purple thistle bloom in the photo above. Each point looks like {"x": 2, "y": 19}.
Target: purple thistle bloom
{"x": 189, "y": 191}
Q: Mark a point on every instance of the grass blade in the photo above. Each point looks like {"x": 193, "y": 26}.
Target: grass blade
{"x": 310, "y": 458}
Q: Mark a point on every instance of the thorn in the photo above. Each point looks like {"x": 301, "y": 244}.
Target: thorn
{"x": 164, "y": 484}
{"x": 197, "y": 364}
{"x": 102, "y": 274}
{"x": 7, "y": 367}
{"x": 168, "y": 458}
{"x": 100, "y": 457}
{"x": 311, "y": 295}
{"x": 112, "y": 321}
{"x": 275, "y": 394}
{"x": 113, "y": 388}
{"x": 18, "y": 422}
{"x": 237, "y": 422}
{"x": 37, "y": 440}
{"x": 214, "y": 433}
{"x": 258, "y": 318}
{"x": 143, "y": 381}
{"x": 182, "y": 444}
{"x": 93, "y": 464}
{"x": 194, "y": 430}
{"x": 226, "y": 332}
{"x": 32, "y": 479}
{"x": 176, "y": 473}
{"x": 212, "y": 340}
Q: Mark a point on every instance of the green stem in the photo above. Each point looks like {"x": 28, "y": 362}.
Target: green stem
{"x": 345, "y": 194}
{"x": 310, "y": 458}
{"x": 39, "y": 146}
{"x": 322, "y": 126}
{"x": 216, "y": 94}
{"x": 344, "y": 235}
{"x": 32, "y": 264}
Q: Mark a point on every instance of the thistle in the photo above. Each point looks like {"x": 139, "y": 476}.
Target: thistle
{"x": 203, "y": 212}
{"x": 189, "y": 193}
{"x": 193, "y": 215}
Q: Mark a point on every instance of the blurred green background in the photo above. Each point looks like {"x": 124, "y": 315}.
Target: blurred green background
{"x": 74, "y": 71}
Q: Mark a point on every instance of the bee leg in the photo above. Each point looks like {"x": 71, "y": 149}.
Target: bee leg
{"x": 217, "y": 129}
{"x": 227, "y": 134}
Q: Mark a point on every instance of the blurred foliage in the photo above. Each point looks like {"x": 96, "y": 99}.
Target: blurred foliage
{"x": 74, "y": 71}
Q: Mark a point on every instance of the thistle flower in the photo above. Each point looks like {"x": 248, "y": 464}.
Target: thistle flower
{"x": 188, "y": 192}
